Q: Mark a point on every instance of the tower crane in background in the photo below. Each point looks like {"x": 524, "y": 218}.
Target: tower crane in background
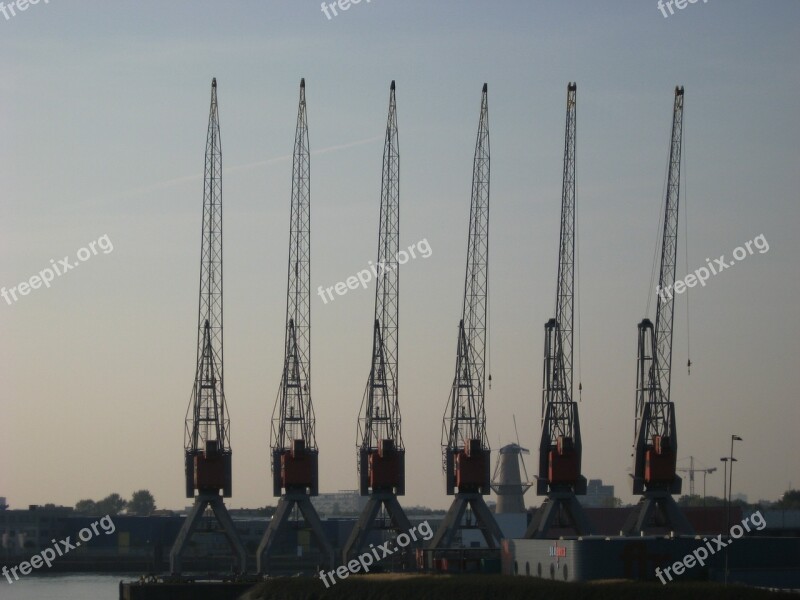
{"x": 465, "y": 445}
{"x": 656, "y": 443}
{"x": 381, "y": 455}
{"x": 560, "y": 448}
{"x": 295, "y": 466}
{"x": 207, "y": 439}
{"x": 691, "y": 471}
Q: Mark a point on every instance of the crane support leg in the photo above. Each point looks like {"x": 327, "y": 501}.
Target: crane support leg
{"x": 443, "y": 538}
{"x": 657, "y": 508}
{"x": 202, "y": 501}
{"x": 279, "y": 522}
{"x": 565, "y": 503}
{"x": 366, "y": 522}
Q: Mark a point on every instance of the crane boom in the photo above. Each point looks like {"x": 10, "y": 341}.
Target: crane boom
{"x": 465, "y": 428}
{"x": 465, "y": 445}
{"x": 560, "y": 447}
{"x": 207, "y": 417}
{"x": 295, "y": 456}
{"x": 294, "y": 447}
{"x": 379, "y": 431}
{"x": 656, "y": 440}
{"x": 381, "y": 454}
{"x": 207, "y": 451}
{"x": 654, "y": 410}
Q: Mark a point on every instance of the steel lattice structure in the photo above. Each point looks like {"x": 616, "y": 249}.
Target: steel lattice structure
{"x": 560, "y": 448}
{"x": 207, "y": 444}
{"x": 467, "y": 416}
{"x": 558, "y": 410}
{"x": 381, "y": 454}
{"x": 653, "y": 385}
{"x": 295, "y": 413}
{"x": 207, "y": 418}
{"x": 656, "y": 440}
{"x": 466, "y": 451}
{"x": 380, "y": 409}
{"x": 295, "y": 456}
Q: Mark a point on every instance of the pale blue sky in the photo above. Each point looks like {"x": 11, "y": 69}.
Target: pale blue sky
{"x": 103, "y": 112}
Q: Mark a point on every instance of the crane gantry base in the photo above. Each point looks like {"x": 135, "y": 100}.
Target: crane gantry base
{"x": 202, "y": 501}
{"x": 659, "y": 508}
{"x": 281, "y": 519}
{"x": 484, "y": 520}
{"x": 366, "y": 522}
{"x": 559, "y": 502}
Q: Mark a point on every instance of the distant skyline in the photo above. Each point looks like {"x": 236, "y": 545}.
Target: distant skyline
{"x": 103, "y": 114}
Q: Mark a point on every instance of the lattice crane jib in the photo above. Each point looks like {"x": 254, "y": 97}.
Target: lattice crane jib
{"x": 380, "y": 444}
{"x": 464, "y": 440}
{"x": 293, "y": 440}
{"x": 207, "y": 442}
{"x": 655, "y": 445}
{"x": 560, "y": 446}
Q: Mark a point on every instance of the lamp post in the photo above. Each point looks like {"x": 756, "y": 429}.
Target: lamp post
{"x": 730, "y": 478}
{"x": 734, "y": 438}
{"x": 724, "y": 459}
{"x": 706, "y": 472}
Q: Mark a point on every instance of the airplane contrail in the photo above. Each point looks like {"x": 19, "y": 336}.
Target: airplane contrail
{"x": 245, "y": 167}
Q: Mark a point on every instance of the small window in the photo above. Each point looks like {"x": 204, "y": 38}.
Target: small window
{"x": 527, "y": 568}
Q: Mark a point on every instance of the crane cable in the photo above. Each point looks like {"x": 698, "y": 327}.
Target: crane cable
{"x": 686, "y": 250}
{"x": 576, "y": 284}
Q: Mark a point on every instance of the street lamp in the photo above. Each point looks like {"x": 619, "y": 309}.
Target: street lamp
{"x": 734, "y": 438}
{"x": 706, "y": 472}
{"x": 724, "y": 459}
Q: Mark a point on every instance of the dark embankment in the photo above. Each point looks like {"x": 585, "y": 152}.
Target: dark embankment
{"x": 492, "y": 587}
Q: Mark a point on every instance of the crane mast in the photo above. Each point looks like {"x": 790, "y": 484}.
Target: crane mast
{"x": 381, "y": 454}
{"x": 292, "y": 438}
{"x": 655, "y": 445}
{"x": 207, "y": 442}
{"x": 379, "y": 425}
{"x": 466, "y": 451}
{"x": 560, "y": 428}
{"x": 295, "y": 466}
{"x": 560, "y": 447}
{"x": 464, "y": 429}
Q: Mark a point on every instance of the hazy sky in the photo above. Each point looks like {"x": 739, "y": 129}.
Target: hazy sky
{"x": 103, "y": 115}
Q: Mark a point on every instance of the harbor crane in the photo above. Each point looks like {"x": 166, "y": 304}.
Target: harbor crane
{"x": 466, "y": 451}
{"x": 560, "y": 448}
{"x": 295, "y": 455}
{"x": 656, "y": 442}
{"x": 381, "y": 454}
{"x": 207, "y": 437}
